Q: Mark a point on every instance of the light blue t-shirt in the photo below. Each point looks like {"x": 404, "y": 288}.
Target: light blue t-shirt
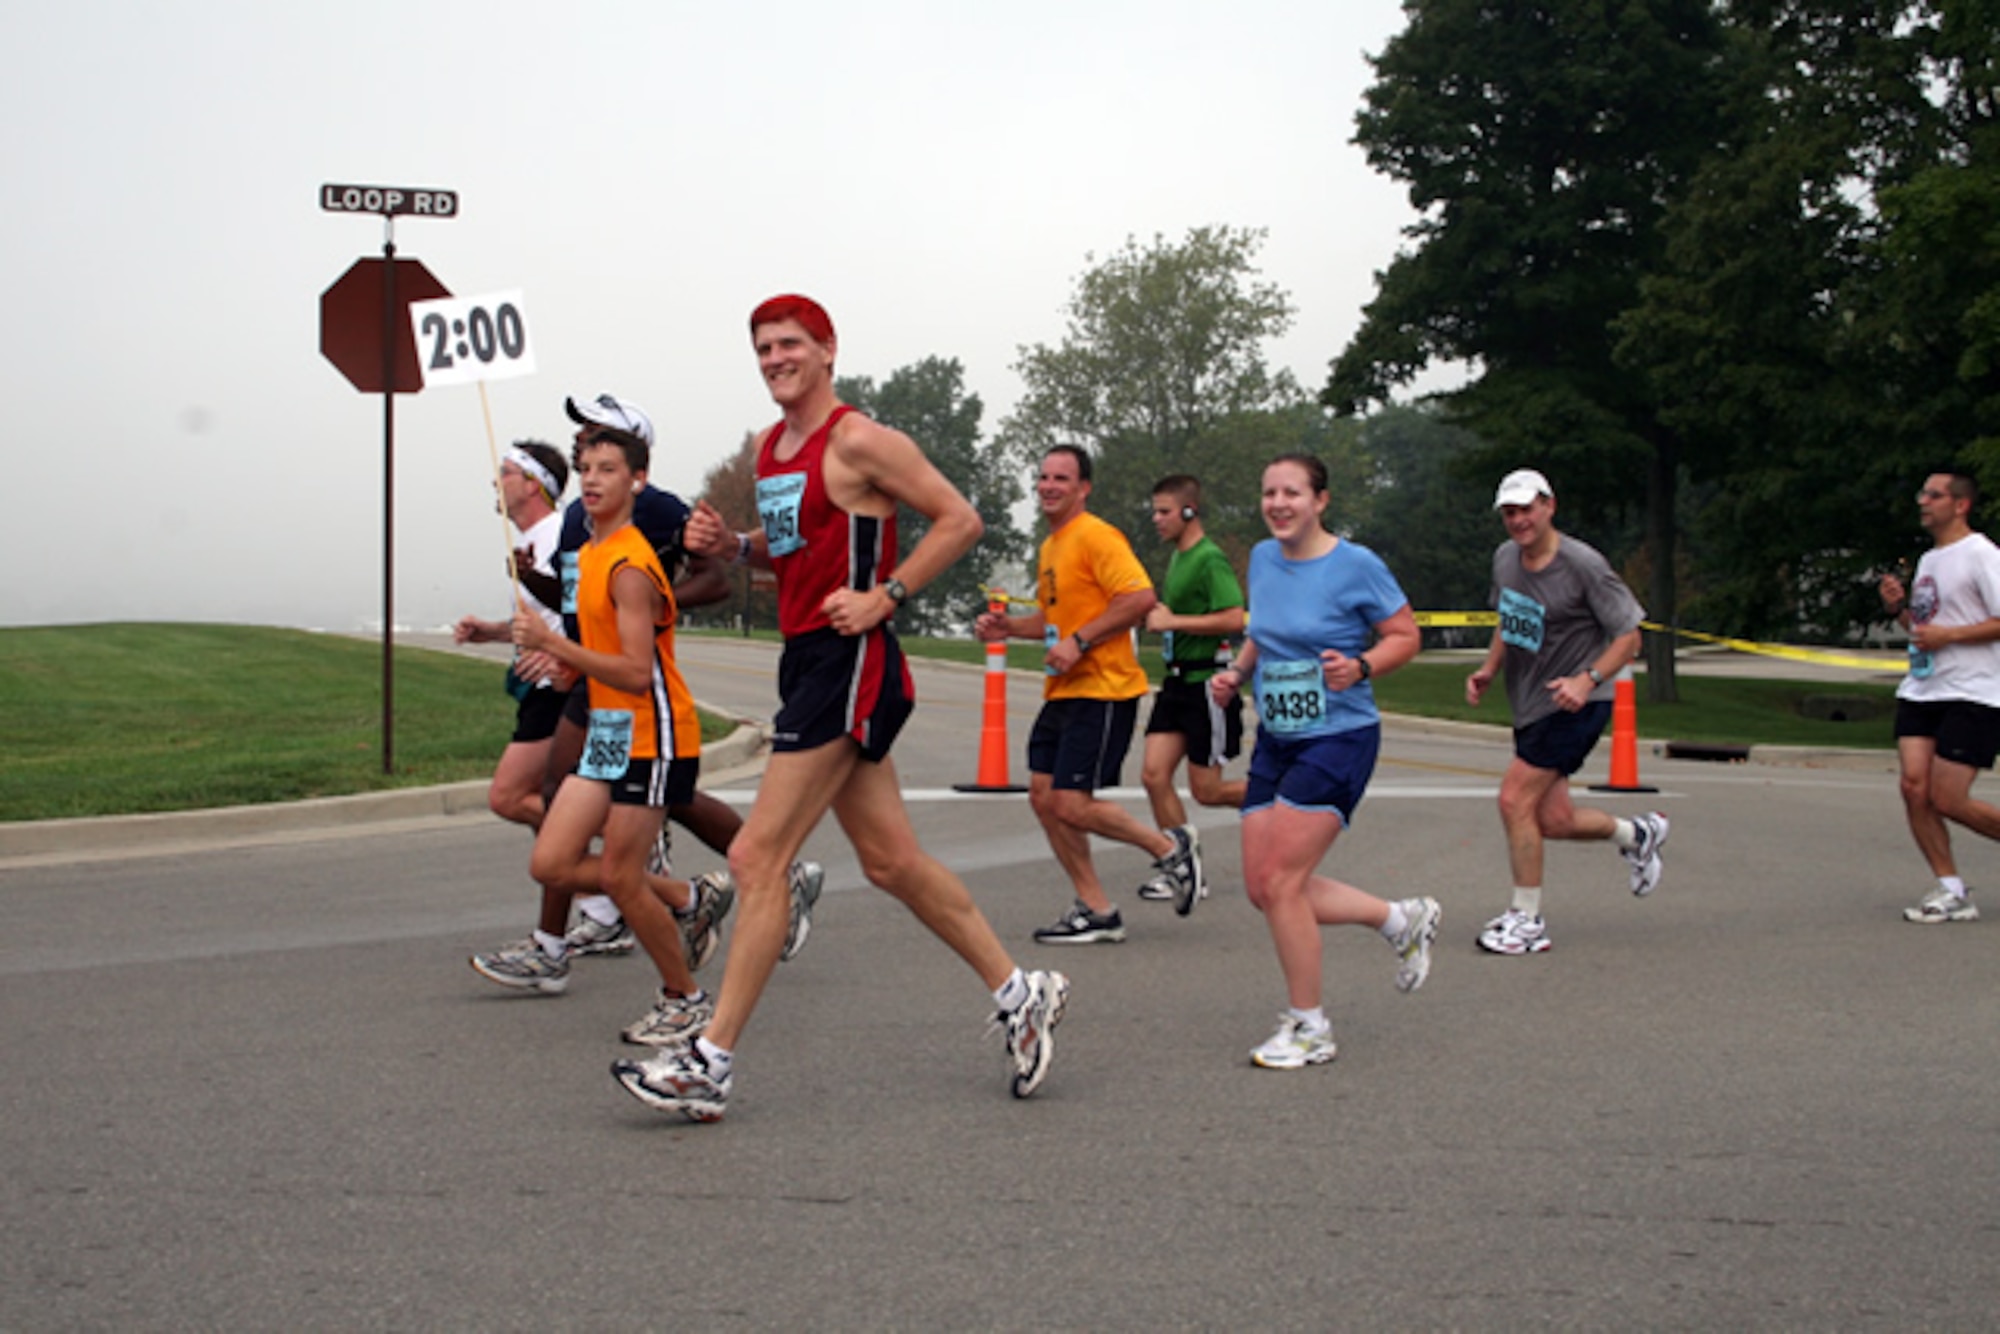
{"x": 1298, "y": 609}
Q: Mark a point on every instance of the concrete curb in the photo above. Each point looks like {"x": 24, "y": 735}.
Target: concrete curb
{"x": 735, "y": 756}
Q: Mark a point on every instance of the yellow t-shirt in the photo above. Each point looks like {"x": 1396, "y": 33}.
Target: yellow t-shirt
{"x": 1083, "y": 565}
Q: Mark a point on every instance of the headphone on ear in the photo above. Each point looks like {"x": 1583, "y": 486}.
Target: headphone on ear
{"x": 1187, "y": 513}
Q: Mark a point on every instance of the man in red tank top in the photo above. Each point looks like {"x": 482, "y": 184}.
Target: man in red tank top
{"x": 828, "y": 483}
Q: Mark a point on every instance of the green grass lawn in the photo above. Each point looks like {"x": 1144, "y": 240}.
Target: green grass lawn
{"x": 118, "y": 719}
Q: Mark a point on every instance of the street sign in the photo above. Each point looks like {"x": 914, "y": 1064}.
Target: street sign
{"x": 353, "y": 325}
{"x": 389, "y": 200}
{"x": 464, "y": 339}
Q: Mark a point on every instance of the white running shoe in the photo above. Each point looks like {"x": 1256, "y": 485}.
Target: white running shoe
{"x": 805, "y": 881}
{"x": 1031, "y": 1030}
{"x": 677, "y": 1080}
{"x": 590, "y": 936}
{"x": 673, "y": 1021}
{"x": 1160, "y": 889}
{"x": 1413, "y": 947}
{"x": 523, "y": 965}
{"x": 1941, "y": 906}
{"x": 1644, "y": 856}
{"x": 701, "y": 929}
{"x": 1514, "y": 932}
{"x": 1294, "y": 1046}
{"x": 660, "y": 861}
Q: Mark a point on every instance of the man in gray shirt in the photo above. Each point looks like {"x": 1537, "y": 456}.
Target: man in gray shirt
{"x": 1568, "y": 624}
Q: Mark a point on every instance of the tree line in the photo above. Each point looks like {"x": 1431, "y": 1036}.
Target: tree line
{"x": 1728, "y": 272}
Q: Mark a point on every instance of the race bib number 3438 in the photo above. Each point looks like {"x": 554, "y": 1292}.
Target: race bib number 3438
{"x": 1291, "y": 696}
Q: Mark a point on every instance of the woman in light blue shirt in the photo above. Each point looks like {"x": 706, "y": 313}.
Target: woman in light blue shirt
{"x": 1326, "y": 617}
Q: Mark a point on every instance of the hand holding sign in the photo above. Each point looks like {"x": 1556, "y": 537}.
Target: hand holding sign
{"x": 465, "y": 339}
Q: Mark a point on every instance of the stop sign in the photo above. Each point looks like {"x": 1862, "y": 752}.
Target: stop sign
{"x": 351, "y": 323}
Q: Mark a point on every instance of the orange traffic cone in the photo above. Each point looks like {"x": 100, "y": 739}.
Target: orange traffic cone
{"x": 1624, "y": 740}
{"x": 993, "y": 723}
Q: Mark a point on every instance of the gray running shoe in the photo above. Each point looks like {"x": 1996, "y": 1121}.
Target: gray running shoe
{"x": 1031, "y": 1030}
{"x": 1941, "y": 906}
{"x": 523, "y": 965}
{"x": 714, "y": 896}
{"x": 677, "y": 1080}
{"x": 672, "y": 1021}
{"x": 1081, "y": 926}
{"x": 590, "y": 936}
{"x": 805, "y": 881}
{"x": 1413, "y": 947}
{"x": 1644, "y": 856}
{"x": 1294, "y": 1046}
{"x": 1184, "y": 865}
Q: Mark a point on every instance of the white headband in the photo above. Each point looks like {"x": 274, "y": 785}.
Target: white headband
{"x": 532, "y": 466}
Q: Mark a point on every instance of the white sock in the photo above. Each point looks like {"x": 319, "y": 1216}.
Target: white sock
{"x": 1313, "y": 1020}
{"x": 1625, "y": 834}
{"x": 1013, "y": 993}
{"x": 599, "y": 908}
{"x": 718, "y": 1060}
{"x": 1398, "y": 923}
{"x": 553, "y": 946}
{"x": 1953, "y": 886}
{"x": 1528, "y": 900}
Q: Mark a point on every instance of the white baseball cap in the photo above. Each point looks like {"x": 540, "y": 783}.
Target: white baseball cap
{"x": 1520, "y": 487}
{"x": 616, "y": 413}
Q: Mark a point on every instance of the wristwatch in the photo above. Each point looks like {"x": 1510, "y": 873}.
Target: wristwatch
{"x": 1367, "y": 668}
{"x": 1082, "y": 644}
{"x": 898, "y": 593}
{"x": 1596, "y": 677}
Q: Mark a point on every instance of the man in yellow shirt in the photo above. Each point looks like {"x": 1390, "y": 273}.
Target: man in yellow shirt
{"x": 1091, "y": 593}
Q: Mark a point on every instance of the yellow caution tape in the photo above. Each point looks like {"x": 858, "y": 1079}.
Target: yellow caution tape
{"x": 1885, "y": 663}
{"x": 1888, "y": 662}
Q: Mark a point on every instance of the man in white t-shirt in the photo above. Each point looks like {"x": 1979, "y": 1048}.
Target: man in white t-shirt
{"x": 531, "y": 482}
{"x": 1948, "y": 707}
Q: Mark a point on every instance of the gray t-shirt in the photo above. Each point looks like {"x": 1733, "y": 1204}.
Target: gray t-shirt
{"x": 1556, "y": 620}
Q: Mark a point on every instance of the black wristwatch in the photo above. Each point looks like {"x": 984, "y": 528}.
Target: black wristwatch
{"x": 1367, "y": 668}
{"x": 1082, "y": 644}
{"x": 898, "y": 593}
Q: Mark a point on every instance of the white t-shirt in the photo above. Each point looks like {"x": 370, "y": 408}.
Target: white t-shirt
{"x": 1956, "y": 585}
{"x": 541, "y": 539}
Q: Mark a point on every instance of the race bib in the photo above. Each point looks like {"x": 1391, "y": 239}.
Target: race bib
{"x": 1521, "y": 621}
{"x": 778, "y": 502}
{"x": 1291, "y": 696}
{"x": 607, "y": 749}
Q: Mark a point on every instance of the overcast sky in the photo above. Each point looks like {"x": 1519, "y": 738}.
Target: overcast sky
{"x": 644, "y": 172}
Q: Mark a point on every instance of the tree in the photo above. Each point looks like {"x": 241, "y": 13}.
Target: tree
{"x": 1162, "y": 371}
{"x": 731, "y": 487}
{"x": 927, "y": 401}
{"x": 1814, "y": 324}
{"x": 1430, "y": 517}
{"x": 1541, "y": 144}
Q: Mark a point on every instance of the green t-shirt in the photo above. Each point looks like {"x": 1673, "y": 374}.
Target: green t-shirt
{"x": 1199, "y": 581}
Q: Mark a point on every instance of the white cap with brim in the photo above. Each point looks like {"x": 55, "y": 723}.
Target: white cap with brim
{"x": 614, "y": 412}
{"x": 1520, "y": 487}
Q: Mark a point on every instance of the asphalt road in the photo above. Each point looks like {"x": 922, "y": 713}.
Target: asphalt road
{"x": 253, "y": 1085}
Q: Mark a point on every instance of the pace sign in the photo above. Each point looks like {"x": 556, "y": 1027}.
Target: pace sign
{"x": 389, "y": 200}
{"x": 463, "y": 339}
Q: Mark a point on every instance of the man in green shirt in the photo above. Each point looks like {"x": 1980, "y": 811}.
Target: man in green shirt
{"x": 1201, "y": 604}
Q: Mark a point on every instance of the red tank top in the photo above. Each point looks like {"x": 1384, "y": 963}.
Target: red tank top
{"x": 816, "y": 547}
